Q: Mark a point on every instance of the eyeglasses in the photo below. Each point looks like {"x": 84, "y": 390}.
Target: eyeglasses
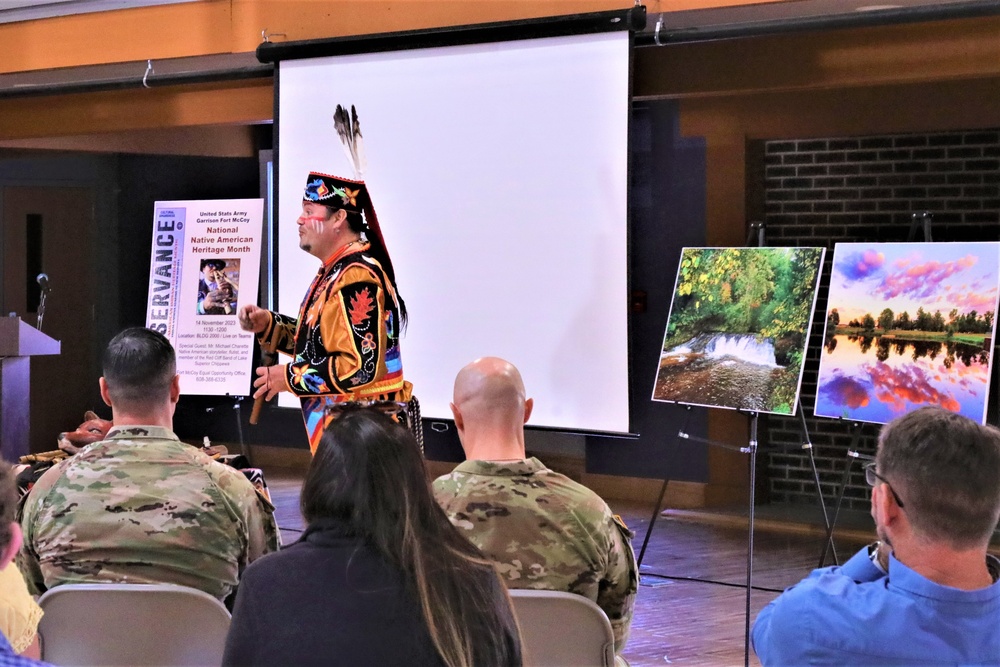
{"x": 874, "y": 478}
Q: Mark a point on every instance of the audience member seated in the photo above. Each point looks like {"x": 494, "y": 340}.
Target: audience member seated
{"x": 19, "y": 615}
{"x": 544, "y": 530}
{"x": 142, "y": 506}
{"x": 379, "y": 577}
{"x": 926, "y": 592}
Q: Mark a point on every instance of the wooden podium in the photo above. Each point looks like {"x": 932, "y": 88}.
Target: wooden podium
{"x": 18, "y": 343}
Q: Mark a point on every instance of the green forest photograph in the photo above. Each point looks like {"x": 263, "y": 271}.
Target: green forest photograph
{"x": 738, "y": 327}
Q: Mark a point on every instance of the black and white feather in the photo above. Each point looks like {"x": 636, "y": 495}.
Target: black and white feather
{"x": 349, "y": 131}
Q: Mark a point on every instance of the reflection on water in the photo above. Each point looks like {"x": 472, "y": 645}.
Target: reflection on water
{"x": 877, "y": 379}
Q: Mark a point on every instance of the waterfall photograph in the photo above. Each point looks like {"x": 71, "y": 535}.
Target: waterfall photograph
{"x": 738, "y": 327}
{"x": 907, "y": 325}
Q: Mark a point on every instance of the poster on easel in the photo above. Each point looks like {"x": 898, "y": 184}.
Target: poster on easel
{"x": 205, "y": 265}
{"x": 908, "y": 325}
{"x": 738, "y": 327}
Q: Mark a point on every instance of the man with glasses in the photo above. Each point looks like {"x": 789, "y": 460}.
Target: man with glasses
{"x": 927, "y": 591}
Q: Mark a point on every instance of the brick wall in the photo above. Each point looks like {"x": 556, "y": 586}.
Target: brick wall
{"x": 818, "y": 192}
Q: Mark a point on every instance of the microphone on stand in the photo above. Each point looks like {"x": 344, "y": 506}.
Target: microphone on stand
{"x": 43, "y": 282}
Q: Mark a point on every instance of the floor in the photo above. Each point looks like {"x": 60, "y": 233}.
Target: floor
{"x": 691, "y": 605}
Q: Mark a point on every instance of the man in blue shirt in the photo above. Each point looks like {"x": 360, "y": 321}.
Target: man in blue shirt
{"x": 927, "y": 592}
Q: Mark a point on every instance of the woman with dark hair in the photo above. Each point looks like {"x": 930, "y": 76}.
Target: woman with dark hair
{"x": 380, "y": 576}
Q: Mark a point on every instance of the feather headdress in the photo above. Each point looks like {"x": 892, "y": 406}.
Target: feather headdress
{"x": 349, "y": 132}
{"x": 353, "y": 196}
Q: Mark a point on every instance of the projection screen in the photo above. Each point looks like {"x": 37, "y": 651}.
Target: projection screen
{"x": 499, "y": 174}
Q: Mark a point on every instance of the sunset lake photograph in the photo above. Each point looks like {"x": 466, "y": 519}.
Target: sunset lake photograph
{"x": 908, "y": 325}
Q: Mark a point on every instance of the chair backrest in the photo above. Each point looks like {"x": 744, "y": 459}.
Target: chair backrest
{"x": 132, "y": 624}
{"x": 560, "y": 628}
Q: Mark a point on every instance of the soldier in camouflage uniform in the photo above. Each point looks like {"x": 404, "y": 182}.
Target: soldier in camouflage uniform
{"x": 141, "y": 506}
{"x": 544, "y": 530}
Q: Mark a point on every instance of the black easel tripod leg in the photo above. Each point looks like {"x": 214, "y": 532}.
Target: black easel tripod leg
{"x": 819, "y": 487}
{"x": 828, "y": 543}
{"x": 652, "y": 522}
{"x": 663, "y": 489}
{"x": 752, "y": 451}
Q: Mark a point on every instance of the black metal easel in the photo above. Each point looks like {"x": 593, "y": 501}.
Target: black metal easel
{"x": 852, "y": 455}
{"x": 751, "y": 450}
{"x": 755, "y": 238}
{"x": 663, "y": 491}
{"x": 807, "y": 445}
{"x": 919, "y": 222}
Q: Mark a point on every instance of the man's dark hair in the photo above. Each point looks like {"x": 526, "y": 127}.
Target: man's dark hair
{"x": 356, "y": 223}
{"x": 139, "y": 365}
{"x": 8, "y": 502}
{"x": 946, "y": 469}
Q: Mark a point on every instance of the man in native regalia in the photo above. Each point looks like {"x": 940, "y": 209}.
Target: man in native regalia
{"x": 345, "y": 342}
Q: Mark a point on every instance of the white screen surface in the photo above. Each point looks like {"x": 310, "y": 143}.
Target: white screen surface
{"x": 499, "y": 175}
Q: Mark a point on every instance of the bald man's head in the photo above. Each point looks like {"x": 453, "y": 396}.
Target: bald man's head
{"x": 491, "y": 381}
{"x": 490, "y": 403}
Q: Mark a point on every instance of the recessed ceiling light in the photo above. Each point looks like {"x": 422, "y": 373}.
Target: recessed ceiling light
{"x": 876, "y": 8}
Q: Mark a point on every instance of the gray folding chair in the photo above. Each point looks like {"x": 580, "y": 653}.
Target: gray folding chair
{"x": 563, "y": 629}
{"x": 132, "y": 624}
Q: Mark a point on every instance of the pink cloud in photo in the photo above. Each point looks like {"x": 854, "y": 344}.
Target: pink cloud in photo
{"x": 847, "y": 391}
{"x": 922, "y": 280}
{"x": 899, "y": 386}
{"x": 965, "y": 302}
{"x": 860, "y": 265}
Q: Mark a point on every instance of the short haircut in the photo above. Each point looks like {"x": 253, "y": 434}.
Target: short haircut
{"x": 139, "y": 365}
{"x": 8, "y": 502}
{"x": 946, "y": 469}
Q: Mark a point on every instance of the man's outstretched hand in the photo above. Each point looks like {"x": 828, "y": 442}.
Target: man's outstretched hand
{"x": 252, "y": 318}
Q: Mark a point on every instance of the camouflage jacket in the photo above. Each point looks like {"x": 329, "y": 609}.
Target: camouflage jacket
{"x": 545, "y": 531}
{"x": 143, "y": 507}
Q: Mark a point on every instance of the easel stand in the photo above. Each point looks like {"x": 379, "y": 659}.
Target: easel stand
{"x": 755, "y": 238}
{"x": 852, "y": 455}
{"x": 807, "y": 446}
{"x": 663, "y": 491}
{"x": 920, "y": 222}
{"x": 751, "y": 450}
